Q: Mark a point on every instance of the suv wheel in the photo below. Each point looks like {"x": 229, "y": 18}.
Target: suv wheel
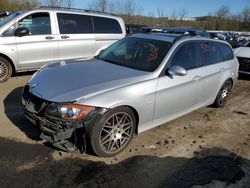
{"x": 223, "y": 94}
{"x": 5, "y": 70}
{"x": 113, "y": 132}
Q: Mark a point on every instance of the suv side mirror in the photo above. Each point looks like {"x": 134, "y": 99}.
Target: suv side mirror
{"x": 22, "y": 31}
{"x": 177, "y": 71}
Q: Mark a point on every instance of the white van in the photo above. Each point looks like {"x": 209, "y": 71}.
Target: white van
{"x": 32, "y": 38}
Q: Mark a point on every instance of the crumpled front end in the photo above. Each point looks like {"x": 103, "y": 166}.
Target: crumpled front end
{"x": 67, "y": 135}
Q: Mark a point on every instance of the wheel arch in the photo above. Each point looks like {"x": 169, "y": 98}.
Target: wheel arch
{"x": 135, "y": 113}
{"x": 136, "y": 117}
{"x": 9, "y": 60}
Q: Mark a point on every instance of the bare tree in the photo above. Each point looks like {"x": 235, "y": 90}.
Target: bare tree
{"x": 223, "y": 12}
{"x": 245, "y": 15}
{"x": 58, "y": 3}
{"x": 160, "y": 12}
{"x": 182, "y": 13}
{"x": 100, "y": 5}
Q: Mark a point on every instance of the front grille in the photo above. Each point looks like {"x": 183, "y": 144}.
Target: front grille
{"x": 31, "y": 102}
{"x": 244, "y": 64}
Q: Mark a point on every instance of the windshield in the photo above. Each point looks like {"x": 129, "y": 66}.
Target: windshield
{"x": 9, "y": 18}
{"x": 137, "y": 53}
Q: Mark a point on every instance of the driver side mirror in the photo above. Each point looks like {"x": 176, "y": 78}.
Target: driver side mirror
{"x": 22, "y": 31}
{"x": 177, "y": 71}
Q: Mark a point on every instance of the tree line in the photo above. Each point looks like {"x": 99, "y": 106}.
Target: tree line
{"x": 15, "y": 5}
{"x": 132, "y": 13}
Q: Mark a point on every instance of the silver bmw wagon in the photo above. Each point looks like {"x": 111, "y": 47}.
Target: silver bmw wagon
{"x": 138, "y": 83}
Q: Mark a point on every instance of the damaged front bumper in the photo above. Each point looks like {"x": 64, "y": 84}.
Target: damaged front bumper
{"x": 62, "y": 134}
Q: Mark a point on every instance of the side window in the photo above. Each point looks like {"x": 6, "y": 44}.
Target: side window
{"x": 74, "y": 23}
{"x": 10, "y": 32}
{"x": 106, "y": 25}
{"x": 185, "y": 56}
{"x": 37, "y": 23}
{"x": 209, "y": 53}
{"x": 248, "y": 45}
{"x": 226, "y": 51}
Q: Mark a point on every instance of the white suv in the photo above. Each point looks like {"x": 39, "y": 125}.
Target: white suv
{"x": 32, "y": 38}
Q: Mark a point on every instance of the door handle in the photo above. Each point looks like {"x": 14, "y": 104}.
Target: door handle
{"x": 197, "y": 78}
{"x": 64, "y": 37}
{"x": 49, "y": 37}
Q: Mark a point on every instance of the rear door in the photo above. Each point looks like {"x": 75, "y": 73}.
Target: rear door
{"x": 41, "y": 45}
{"x": 76, "y": 37}
{"x": 176, "y": 95}
{"x": 212, "y": 68}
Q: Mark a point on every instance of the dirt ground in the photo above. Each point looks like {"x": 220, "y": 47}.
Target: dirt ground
{"x": 207, "y": 148}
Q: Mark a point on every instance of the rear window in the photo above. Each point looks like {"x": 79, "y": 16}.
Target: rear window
{"x": 226, "y": 51}
{"x": 106, "y": 25}
{"x": 74, "y": 23}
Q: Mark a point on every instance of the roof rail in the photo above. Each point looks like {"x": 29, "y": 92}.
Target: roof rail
{"x": 189, "y": 34}
{"x": 77, "y": 9}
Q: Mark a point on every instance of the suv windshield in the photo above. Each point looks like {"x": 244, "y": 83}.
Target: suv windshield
{"x": 137, "y": 53}
{"x": 9, "y": 18}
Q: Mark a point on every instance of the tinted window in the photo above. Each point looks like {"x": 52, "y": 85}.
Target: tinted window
{"x": 248, "y": 44}
{"x": 226, "y": 51}
{"x": 185, "y": 56}
{"x": 38, "y": 23}
{"x": 136, "y": 53}
{"x": 74, "y": 23}
{"x": 209, "y": 53}
{"x": 106, "y": 25}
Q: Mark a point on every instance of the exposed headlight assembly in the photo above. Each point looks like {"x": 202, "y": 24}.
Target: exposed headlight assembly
{"x": 68, "y": 111}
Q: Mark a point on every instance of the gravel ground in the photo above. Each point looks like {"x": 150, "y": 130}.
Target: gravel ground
{"x": 207, "y": 148}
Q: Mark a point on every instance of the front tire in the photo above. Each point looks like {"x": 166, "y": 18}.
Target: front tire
{"x": 5, "y": 70}
{"x": 112, "y": 132}
{"x": 223, "y": 94}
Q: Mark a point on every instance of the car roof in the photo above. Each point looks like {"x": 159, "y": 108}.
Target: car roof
{"x": 157, "y": 36}
{"x": 172, "y": 38}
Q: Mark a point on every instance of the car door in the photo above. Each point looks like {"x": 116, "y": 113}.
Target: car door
{"x": 175, "y": 95}
{"x": 211, "y": 68}
{"x": 40, "y": 46}
{"x": 76, "y": 37}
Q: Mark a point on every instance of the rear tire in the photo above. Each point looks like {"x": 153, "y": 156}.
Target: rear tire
{"x": 5, "y": 70}
{"x": 223, "y": 94}
{"x": 112, "y": 132}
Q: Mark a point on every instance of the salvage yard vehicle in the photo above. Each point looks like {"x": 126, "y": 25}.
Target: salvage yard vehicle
{"x": 243, "y": 55}
{"x": 138, "y": 83}
{"x": 32, "y": 38}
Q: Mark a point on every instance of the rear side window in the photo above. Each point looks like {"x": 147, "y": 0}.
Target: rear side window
{"x": 226, "y": 51}
{"x": 106, "y": 25}
{"x": 74, "y": 23}
{"x": 185, "y": 56}
{"x": 209, "y": 53}
{"x": 37, "y": 23}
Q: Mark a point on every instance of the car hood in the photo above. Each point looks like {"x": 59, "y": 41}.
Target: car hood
{"x": 71, "y": 81}
{"x": 242, "y": 52}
